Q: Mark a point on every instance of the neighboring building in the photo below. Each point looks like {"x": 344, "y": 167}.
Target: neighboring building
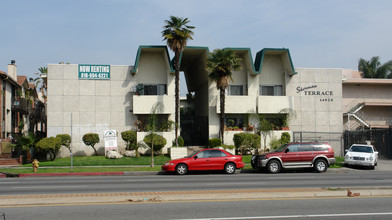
{"x": 111, "y": 97}
{"x": 367, "y": 103}
{"x": 17, "y": 107}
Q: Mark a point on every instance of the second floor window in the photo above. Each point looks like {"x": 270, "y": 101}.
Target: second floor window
{"x": 237, "y": 90}
{"x": 154, "y": 89}
{"x": 271, "y": 90}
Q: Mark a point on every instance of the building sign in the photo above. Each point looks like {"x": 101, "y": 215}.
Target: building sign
{"x": 94, "y": 71}
{"x": 110, "y": 137}
{"x": 308, "y": 91}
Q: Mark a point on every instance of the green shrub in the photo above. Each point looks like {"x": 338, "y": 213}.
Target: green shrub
{"x": 91, "y": 139}
{"x": 238, "y": 139}
{"x": 49, "y": 145}
{"x": 246, "y": 141}
{"x": 156, "y": 139}
{"x": 65, "y": 140}
{"x": 285, "y": 138}
{"x": 180, "y": 142}
{"x": 214, "y": 142}
{"x": 275, "y": 142}
{"x": 228, "y": 146}
{"x": 130, "y": 138}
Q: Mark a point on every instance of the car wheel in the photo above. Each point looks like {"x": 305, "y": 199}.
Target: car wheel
{"x": 273, "y": 166}
{"x": 181, "y": 169}
{"x": 320, "y": 165}
{"x": 372, "y": 167}
{"x": 230, "y": 168}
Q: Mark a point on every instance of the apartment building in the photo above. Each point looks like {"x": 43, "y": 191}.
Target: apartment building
{"x": 85, "y": 98}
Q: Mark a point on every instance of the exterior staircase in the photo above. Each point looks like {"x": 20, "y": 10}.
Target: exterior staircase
{"x": 10, "y": 161}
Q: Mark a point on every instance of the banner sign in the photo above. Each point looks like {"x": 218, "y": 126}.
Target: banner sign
{"x": 94, "y": 71}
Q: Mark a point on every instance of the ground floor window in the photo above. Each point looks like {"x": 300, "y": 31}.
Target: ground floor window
{"x": 159, "y": 122}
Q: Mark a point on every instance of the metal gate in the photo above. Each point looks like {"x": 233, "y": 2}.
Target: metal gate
{"x": 381, "y": 139}
{"x": 335, "y": 139}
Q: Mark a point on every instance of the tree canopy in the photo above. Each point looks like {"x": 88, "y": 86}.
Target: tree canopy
{"x": 374, "y": 69}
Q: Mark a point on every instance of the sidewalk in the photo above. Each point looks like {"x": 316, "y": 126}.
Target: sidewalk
{"x": 182, "y": 196}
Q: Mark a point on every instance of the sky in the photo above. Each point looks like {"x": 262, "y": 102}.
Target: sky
{"x": 318, "y": 33}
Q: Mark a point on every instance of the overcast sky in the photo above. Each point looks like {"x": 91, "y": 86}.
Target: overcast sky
{"x": 319, "y": 33}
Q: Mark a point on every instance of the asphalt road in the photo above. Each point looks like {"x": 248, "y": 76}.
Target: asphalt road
{"x": 342, "y": 178}
{"x": 301, "y": 208}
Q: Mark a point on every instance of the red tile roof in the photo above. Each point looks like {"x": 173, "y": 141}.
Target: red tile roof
{"x": 21, "y": 80}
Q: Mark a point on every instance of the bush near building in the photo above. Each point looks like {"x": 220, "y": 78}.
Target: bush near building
{"x": 155, "y": 142}
{"x": 91, "y": 139}
{"x": 246, "y": 141}
{"x": 49, "y": 145}
{"x": 214, "y": 142}
{"x": 65, "y": 140}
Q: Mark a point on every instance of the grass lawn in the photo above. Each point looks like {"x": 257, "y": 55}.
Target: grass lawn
{"x": 103, "y": 161}
{"x": 78, "y": 169}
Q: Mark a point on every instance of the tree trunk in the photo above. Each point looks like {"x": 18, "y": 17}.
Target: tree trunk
{"x": 95, "y": 151}
{"x": 222, "y": 113}
{"x": 177, "y": 93}
{"x": 152, "y": 151}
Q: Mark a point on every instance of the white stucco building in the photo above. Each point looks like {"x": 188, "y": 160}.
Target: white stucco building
{"x": 112, "y": 97}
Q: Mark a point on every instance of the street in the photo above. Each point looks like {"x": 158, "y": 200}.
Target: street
{"x": 299, "y": 208}
{"x": 197, "y": 181}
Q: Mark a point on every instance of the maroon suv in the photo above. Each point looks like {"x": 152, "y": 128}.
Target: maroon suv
{"x": 296, "y": 155}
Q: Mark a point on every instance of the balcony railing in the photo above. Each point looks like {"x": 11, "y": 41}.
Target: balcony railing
{"x": 274, "y": 104}
{"x": 19, "y": 105}
{"x": 238, "y": 105}
{"x": 145, "y": 104}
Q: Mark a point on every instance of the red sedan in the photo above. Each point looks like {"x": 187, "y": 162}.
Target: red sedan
{"x": 206, "y": 159}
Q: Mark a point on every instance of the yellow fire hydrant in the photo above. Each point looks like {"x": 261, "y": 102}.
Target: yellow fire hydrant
{"x": 35, "y": 165}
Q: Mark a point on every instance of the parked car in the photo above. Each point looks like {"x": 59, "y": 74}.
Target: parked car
{"x": 206, "y": 159}
{"x": 296, "y": 155}
{"x": 361, "y": 155}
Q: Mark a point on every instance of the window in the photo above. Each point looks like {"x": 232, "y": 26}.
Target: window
{"x": 293, "y": 148}
{"x": 204, "y": 154}
{"x": 236, "y": 90}
{"x": 304, "y": 147}
{"x": 217, "y": 153}
{"x": 271, "y": 90}
{"x": 159, "y": 89}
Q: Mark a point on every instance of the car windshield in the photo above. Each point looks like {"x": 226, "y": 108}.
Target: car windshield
{"x": 362, "y": 149}
{"x": 192, "y": 154}
{"x": 281, "y": 148}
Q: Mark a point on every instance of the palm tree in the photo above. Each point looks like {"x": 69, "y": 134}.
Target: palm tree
{"x": 374, "y": 69}
{"x": 220, "y": 63}
{"x": 176, "y": 32}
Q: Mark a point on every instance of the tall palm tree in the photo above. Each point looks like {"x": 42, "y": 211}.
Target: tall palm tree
{"x": 220, "y": 63}
{"x": 176, "y": 32}
{"x": 374, "y": 69}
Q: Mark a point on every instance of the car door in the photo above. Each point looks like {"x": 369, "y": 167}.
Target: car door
{"x": 290, "y": 156}
{"x": 218, "y": 159}
{"x": 201, "y": 161}
{"x": 307, "y": 153}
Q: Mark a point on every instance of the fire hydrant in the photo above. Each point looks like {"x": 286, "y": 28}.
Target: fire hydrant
{"x": 35, "y": 165}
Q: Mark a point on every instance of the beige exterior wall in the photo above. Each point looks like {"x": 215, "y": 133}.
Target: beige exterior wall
{"x": 318, "y": 106}
{"x": 99, "y": 105}
{"x": 377, "y": 97}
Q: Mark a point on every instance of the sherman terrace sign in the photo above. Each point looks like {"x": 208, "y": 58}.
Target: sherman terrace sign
{"x": 94, "y": 71}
